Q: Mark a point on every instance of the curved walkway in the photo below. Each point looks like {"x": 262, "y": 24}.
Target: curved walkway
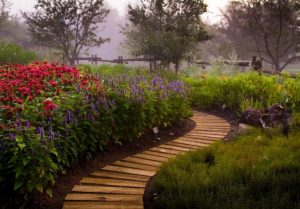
{"x": 121, "y": 185}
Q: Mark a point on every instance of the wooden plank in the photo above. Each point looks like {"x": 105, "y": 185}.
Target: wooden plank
{"x": 108, "y": 190}
{"x": 103, "y": 197}
{"x": 115, "y": 175}
{"x": 205, "y": 135}
{"x": 194, "y": 142}
{"x": 151, "y": 157}
{"x": 163, "y": 150}
{"x": 142, "y": 161}
{"x": 224, "y": 133}
{"x": 208, "y": 117}
{"x": 213, "y": 139}
{"x": 225, "y": 130}
{"x": 159, "y": 154}
{"x": 129, "y": 170}
{"x": 113, "y": 182}
{"x": 102, "y": 205}
{"x": 166, "y": 146}
{"x": 204, "y": 119}
{"x": 188, "y": 146}
{"x": 135, "y": 165}
{"x": 212, "y": 124}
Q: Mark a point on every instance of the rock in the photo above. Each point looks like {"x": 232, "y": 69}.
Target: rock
{"x": 271, "y": 116}
{"x": 242, "y": 128}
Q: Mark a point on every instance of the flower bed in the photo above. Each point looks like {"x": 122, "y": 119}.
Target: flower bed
{"x": 51, "y": 116}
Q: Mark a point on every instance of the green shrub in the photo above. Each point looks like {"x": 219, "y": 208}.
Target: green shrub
{"x": 255, "y": 171}
{"x": 241, "y": 91}
{"x": 14, "y": 54}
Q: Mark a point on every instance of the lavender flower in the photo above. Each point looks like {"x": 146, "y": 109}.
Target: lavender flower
{"x": 27, "y": 124}
{"x": 57, "y": 135}
{"x": 11, "y": 136}
{"x": 93, "y": 107}
{"x": 50, "y": 134}
{"x": 18, "y": 125}
{"x": 41, "y": 132}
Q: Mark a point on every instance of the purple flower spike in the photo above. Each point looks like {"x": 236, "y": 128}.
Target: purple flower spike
{"x": 27, "y": 124}
{"x": 57, "y": 135}
{"x": 51, "y": 134}
{"x": 11, "y": 136}
{"x": 42, "y": 133}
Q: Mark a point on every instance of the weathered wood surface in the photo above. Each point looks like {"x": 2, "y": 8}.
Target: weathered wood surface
{"x": 121, "y": 185}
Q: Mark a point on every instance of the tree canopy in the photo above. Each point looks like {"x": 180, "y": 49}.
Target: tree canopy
{"x": 269, "y": 28}
{"x": 68, "y": 25}
{"x": 165, "y": 30}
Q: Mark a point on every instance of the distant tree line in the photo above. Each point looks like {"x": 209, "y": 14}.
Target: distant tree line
{"x": 166, "y": 30}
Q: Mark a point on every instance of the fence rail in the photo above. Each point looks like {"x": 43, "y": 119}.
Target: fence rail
{"x": 119, "y": 60}
{"x": 226, "y": 62}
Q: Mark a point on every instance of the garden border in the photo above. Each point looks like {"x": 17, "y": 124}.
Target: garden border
{"x": 122, "y": 184}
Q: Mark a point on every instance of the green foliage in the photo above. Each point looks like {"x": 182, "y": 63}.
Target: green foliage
{"x": 112, "y": 108}
{"x": 166, "y": 30}
{"x": 255, "y": 171}
{"x": 269, "y": 28}
{"x": 14, "y": 54}
{"x": 118, "y": 70}
{"x": 244, "y": 90}
{"x": 57, "y": 22}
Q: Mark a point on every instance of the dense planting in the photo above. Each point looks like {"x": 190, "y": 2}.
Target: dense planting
{"x": 51, "y": 116}
{"x": 14, "y": 54}
{"x": 244, "y": 90}
{"x": 255, "y": 171}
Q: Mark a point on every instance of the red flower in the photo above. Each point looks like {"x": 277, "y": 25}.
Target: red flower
{"x": 49, "y": 105}
{"x": 6, "y": 107}
{"x": 53, "y": 83}
{"x": 18, "y": 100}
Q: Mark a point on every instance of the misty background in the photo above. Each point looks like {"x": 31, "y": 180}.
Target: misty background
{"x": 117, "y": 18}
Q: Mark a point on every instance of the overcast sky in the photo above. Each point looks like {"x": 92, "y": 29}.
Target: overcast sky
{"x": 121, "y": 6}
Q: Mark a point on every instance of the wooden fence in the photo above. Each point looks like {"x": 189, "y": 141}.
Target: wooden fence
{"x": 120, "y": 60}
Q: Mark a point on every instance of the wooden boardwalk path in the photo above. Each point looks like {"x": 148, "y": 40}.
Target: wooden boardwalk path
{"x": 121, "y": 185}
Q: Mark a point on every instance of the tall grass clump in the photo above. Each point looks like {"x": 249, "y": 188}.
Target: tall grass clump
{"x": 244, "y": 90}
{"x": 255, "y": 171}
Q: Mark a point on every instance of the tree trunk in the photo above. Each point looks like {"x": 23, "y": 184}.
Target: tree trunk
{"x": 155, "y": 64}
{"x": 277, "y": 68}
{"x": 72, "y": 62}
{"x": 150, "y": 66}
{"x": 176, "y": 67}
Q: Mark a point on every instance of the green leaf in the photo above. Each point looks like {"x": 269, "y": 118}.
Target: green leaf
{"x": 21, "y": 145}
{"x": 49, "y": 192}
{"x": 18, "y": 184}
{"x": 39, "y": 187}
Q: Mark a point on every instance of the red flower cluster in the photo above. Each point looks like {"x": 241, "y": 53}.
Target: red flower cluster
{"x": 49, "y": 105}
{"x": 19, "y": 83}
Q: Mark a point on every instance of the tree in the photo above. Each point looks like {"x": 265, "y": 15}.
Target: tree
{"x": 4, "y": 12}
{"x": 267, "y": 27}
{"x": 166, "y": 30}
{"x": 67, "y": 25}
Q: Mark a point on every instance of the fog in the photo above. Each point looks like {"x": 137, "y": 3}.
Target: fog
{"x": 117, "y": 17}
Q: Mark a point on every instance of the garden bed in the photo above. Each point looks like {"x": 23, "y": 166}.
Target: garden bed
{"x": 53, "y": 116}
{"x": 66, "y": 182}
